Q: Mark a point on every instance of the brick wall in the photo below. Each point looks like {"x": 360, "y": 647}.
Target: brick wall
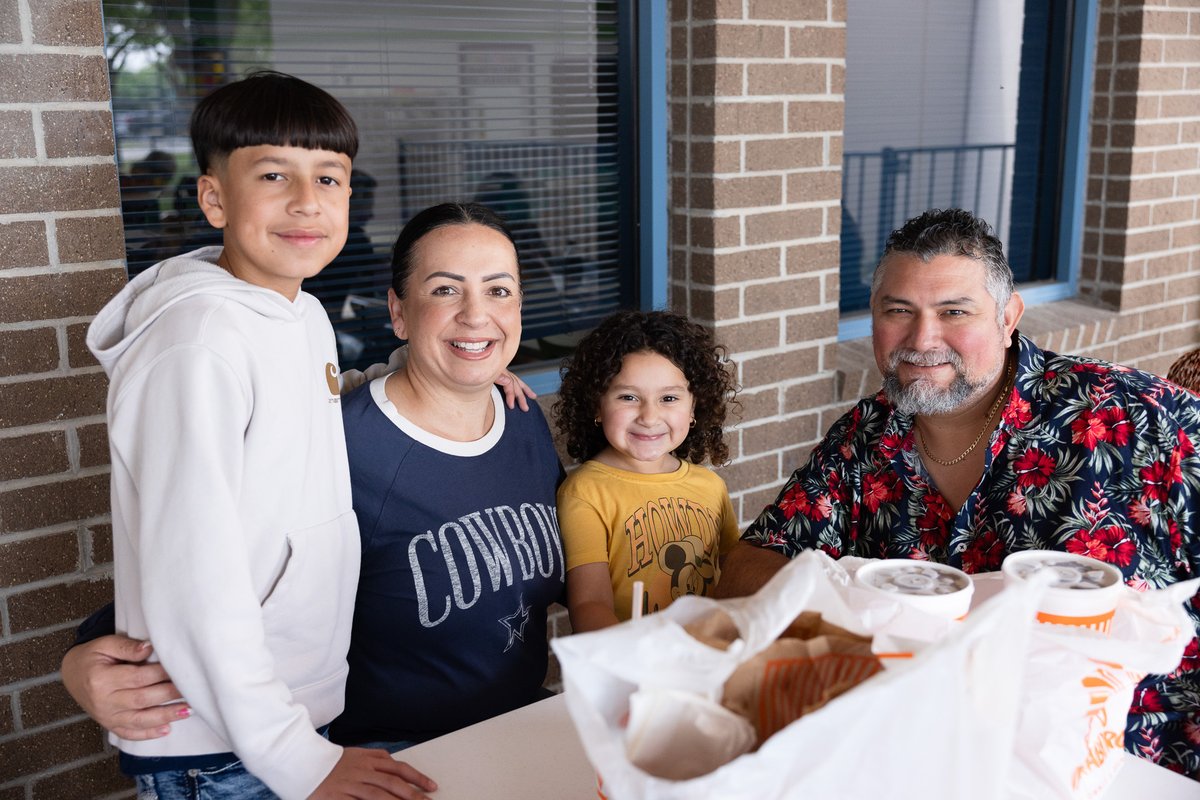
{"x": 60, "y": 260}
{"x": 755, "y": 164}
{"x": 1142, "y": 232}
{"x": 755, "y": 159}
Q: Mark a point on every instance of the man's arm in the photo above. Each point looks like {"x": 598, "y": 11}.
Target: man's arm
{"x": 746, "y": 568}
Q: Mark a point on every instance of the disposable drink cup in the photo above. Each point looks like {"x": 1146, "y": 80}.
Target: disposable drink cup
{"x": 936, "y": 589}
{"x": 1084, "y": 592}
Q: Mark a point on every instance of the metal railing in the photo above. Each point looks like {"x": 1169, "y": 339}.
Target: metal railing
{"x": 883, "y": 188}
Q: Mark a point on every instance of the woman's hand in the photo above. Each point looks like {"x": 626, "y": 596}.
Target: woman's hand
{"x": 111, "y": 679}
{"x": 515, "y": 390}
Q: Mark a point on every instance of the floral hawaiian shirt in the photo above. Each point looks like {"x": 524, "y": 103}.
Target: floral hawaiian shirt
{"x": 1089, "y": 457}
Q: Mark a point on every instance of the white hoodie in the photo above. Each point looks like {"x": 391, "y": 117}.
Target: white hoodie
{"x": 236, "y": 550}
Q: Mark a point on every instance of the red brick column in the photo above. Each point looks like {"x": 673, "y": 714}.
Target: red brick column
{"x": 60, "y": 260}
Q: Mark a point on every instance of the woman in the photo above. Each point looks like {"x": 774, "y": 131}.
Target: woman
{"x": 454, "y": 494}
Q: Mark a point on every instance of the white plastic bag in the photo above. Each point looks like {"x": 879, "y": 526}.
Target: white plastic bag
{"x": 1079, "y": 685}
{"x": 940, "y": 725}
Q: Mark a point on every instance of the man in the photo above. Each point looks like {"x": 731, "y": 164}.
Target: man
{"x": 980, "y": 444}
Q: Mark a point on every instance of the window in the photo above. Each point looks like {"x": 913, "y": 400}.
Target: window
{"x": 521, "y": 105}
{"x": 959, "y": 104}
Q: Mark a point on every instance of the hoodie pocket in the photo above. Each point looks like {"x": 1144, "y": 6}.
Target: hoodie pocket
{"x": 308, "y": 614}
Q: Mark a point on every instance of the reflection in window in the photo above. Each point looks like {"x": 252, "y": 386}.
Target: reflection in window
{"x": 514, "y": 104}
{"x": 952, "y": 104}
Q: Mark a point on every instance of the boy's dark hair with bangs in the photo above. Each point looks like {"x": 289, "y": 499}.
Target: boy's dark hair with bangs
{"x": 269, "y": 107}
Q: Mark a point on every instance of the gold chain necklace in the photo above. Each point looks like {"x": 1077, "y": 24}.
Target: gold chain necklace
{"x": 1008, "y": 384}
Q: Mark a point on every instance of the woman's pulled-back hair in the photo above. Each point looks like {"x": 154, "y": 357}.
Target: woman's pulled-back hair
{"x": 270, "y": 108}
{"x": 588, "y": 373}
{"x": 431, "y": 219}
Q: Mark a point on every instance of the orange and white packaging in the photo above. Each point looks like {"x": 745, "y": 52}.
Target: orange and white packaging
{"x": 956, "y": 697}
{"x": 1079, "y": 683}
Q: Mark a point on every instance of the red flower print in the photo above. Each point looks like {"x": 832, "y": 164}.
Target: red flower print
{"x": 984, "y": 554}
{"x": 1118, "y": 424}
{"x": 1017, "y": 413}
{"x": 1138, "y": 584}
{"x": 1033, "y": 468}
{"x": 1098, "y": 369}
{"x": 937, "y": 507}
{"x": 933, "y": 523}
{"x": 890, "y": 444}
{"x": 1089, "y": 430}
{"x": 1121, "y": 547}
{"x": 831, "y": 551}
{"x": 879, "y": 488}
{"x": 1156, "y": 481}
{"x": 1141, "y": 514}
{"x": 999, "y": 442}
{"x": 1146, "y": 700}
{"x": 1085, "y": 544}
{"x": 794, "y": 502}
{"x": 1016, "y": 503}
{"x": 1152, "y": 749}
{"x": 837, "y": 489}
{"x": 1191, "y": 656}
{"x": 1192, "y": 731}
{"x": 821, "y": 508}
{"x": 1109, "y": 544}
{"x": 1186, "y": 449}
{"x": 855, "y": 421}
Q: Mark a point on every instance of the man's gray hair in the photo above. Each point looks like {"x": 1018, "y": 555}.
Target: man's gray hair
{"x": 952, "y": 232}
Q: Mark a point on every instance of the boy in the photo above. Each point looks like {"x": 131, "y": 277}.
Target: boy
{"x": 235, "y": 547}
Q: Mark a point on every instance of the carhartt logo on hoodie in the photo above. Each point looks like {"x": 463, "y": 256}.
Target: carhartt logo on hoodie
{"x": 331, "y": 379}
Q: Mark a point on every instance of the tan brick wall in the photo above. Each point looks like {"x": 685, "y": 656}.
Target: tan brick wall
{"x": 755, "y": 158}
{"x": 755, "y": 167}
{"x": 1142, "y": 231}
{"x": 60, "y": 260}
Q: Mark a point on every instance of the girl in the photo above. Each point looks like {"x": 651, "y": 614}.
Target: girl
{"x": 642, "y": 403}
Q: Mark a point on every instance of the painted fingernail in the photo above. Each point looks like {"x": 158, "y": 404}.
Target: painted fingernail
{"x": 164, "y": 730}
{"x": 183, "y": 713}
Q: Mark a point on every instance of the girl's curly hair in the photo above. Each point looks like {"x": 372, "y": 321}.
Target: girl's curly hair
{"x": 597, "y": 360}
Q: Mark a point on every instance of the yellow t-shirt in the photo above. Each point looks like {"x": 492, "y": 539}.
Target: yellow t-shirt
{"x": 664, "y": 530}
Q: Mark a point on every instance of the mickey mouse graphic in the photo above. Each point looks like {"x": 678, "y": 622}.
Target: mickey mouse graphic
{"x": 692, "y": 570}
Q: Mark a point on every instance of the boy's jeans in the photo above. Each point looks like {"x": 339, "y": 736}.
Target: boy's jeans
{"x": 226, "y": 781}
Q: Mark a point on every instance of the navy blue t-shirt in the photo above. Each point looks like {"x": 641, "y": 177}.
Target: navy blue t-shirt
{"x": 461, "y": 558}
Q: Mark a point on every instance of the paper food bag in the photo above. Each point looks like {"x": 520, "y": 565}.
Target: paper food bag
{"x": 928, "y": 727}
{"x": 1078, "y": 688}
{"x": 810, "y": 664}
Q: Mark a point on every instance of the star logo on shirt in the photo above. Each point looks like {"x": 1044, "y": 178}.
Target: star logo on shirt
{"x": 516, "y": 622}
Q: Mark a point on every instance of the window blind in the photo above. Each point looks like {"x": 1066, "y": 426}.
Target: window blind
{"x": 513, "y": 104}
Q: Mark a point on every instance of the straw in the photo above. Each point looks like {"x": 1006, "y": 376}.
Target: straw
{"x": 637, "y": 599}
